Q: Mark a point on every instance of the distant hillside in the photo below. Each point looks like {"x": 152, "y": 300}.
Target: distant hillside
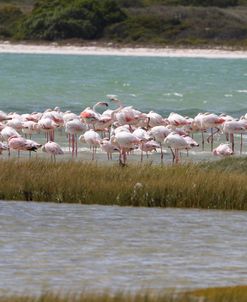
{"x": 154, "y": 22}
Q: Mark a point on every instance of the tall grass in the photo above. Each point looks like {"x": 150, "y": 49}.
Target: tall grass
{"x": 208, "y": 186}
{"x": 229, "y": 294}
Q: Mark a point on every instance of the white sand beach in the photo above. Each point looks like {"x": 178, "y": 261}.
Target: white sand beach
{"x": 54, "y": 48}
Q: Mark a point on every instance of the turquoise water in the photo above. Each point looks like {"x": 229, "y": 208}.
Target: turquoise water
{"x": 186, "y": 85}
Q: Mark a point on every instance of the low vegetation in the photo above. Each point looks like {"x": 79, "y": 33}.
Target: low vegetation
{"x": 228, "y": 294}
{"x": 220, "y": 185}
{"x": 139, "y": 22}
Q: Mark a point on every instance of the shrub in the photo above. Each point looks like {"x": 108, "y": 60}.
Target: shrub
{"x": 9, "y": 17}
{"x": 59, "y": 19}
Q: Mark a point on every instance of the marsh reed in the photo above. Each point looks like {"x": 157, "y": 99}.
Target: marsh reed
{"x": 223, "y": 294}
{"x": 215, "y": 185}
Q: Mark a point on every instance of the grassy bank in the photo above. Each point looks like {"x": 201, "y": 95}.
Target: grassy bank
{"x": 229, "y": 294}
{"x": 217, "y": 185}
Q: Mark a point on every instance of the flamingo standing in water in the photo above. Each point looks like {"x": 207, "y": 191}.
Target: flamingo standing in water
{"x": 93, "y": 139}
{"x": 176, "y": 142}
{"x": 211, "y": 120}
{"x": 73, "y": 128}
{"x": 48, "y": 126}
{"x": 235, "y": 127}
{"x": 143, "y": 137}
{"x": 126, "y": 141}
{"x": 53, "y": 149}
{"x": 19, "y": 143}
{"x": 149, "y": 146}
{"x": 159, "y": 133}
{"x": 108, "y": 147}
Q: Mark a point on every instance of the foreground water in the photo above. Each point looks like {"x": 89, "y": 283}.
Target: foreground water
{"x": 64, "y": 247}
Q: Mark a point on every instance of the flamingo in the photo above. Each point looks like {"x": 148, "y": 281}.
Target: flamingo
{"x": 235, "y": 127}
{"x": 211, "y": 120}
{"x": 176, "y": 142}
{"x": 91, "y": 116}
{"x": 149, "y": 146}
{"x": 159, "y": 133}
{"x": 48, "y": 125}
{"x": 92, "y": 138}
{"x": 108, "y": 147}
{"x": 177, "y": 120}
{"x": 7, "y": 132}
{"x": 126, "y": 141}
{"x": 73, "y": 128}
{"x": 19, "y": 143}
{"x": 30, "y": 128}
{"x": 15, "y": 123}
{"x": 53, "y": 149}
{"x": 155, "y": 119}
{"x": 143, "y": 137}
{"x": 223, "y": 150}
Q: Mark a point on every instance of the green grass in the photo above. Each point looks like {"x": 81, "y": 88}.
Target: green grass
{"x": 217, "y": 185}
{"x": 228, "y": 294}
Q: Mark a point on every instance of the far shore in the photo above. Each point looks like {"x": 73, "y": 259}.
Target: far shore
{"x": 111, "y": 50}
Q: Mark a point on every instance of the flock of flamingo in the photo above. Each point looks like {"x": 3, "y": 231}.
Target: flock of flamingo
{"x": 121, "y": 130}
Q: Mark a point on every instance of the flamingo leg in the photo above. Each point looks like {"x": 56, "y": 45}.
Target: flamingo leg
{"x": 173, "y": 154}
{"x": 202, "y": 141}
{"x": 73, "y": 145}
{"x": 232, "y": 140}
{"x": 142, "y": 153}
{"x": 161, "y": 154}
{"x": 76, "y": 145}
{"x": 69, "y": 142}
{"x": 241, "y": 143}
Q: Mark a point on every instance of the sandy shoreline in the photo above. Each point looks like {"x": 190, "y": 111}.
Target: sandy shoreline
{"x": 6, "y": 47}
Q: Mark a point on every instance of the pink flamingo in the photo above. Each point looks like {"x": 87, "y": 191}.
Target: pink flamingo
{"x": 91, "y": 116}
{"x": 30, "y": 128}
{"x": 149, "y": 146}
{"x": 176, "y": 142}
{"x": 48, "y": 126}
{"x": 211, "y": 120}
{"x": 159, "y": 133}
{"x": 19, "y": 143}
{"x": 155, "y": 119}
{"x": 125, "y": 141}
{"x": 92, "y": 138}
{"x": 73, "y": 128}
{"x": 223, "y": 150}
{"x": 143, "y": 136}
{"x": 235, "y": 127}
{"x": 53, "y": 149}
{"x": 108, "y": 147}
{"x": 177, "y": 120}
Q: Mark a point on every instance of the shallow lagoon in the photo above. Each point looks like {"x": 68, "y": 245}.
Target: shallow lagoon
{"x": 75, "y": 247}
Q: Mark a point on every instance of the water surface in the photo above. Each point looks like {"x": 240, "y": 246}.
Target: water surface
{"x": 65, "y": 247}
